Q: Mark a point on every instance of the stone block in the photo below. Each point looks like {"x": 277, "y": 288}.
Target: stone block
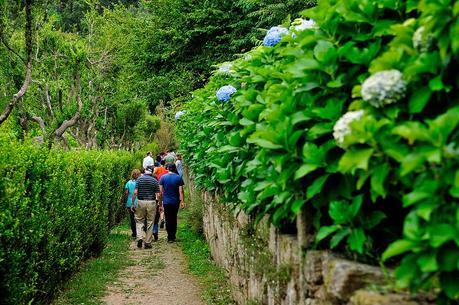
{"x": 363, "y": 297}
{"x": 313, "y": 267}
{"x": 343, "y": 277}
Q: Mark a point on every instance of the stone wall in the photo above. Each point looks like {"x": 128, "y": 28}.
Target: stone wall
{"x": 266, "y": 267}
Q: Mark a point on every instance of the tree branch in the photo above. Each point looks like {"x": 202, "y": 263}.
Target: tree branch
{"x": 28, "y": 77}
{"x": 69, "y": 123}
{"x": 40, "y": 122}
{"x": 18, "y": 95}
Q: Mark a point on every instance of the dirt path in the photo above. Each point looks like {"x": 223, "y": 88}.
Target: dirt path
{"x": 155, "y": 277}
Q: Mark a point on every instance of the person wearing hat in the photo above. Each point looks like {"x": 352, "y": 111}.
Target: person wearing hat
{"x": 147, "y": 193}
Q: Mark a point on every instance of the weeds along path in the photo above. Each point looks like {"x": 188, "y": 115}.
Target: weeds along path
{"x": 156, "y": 276}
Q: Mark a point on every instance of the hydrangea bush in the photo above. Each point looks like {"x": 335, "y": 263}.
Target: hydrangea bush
{"x": 352, "y": 123}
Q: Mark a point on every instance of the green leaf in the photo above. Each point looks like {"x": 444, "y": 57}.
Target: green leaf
{"x": 448, "y": 259}
{"x": 440, "y": 234}
{"x": 357, "y": 240}
{"x": 355, "y": 159}
{"x": 297, "y": 204}
{"x": 341, "y": 212}
{"x": 325, "y": 231}
{"x": 316, "y": 187}
{"x": 374, "y": 219}
{"x": 324, "y": 51}
{"x": 398, "y": 247}
{"x": 378, "y": 177}
{"x": 304, "y": 170}
{"x": 264, "y": 143}
{"x": 428, "y": 262}
{"x": 338, "y": 237}
{"x": 419, "y": 99}
{"x": 448, "y": 282}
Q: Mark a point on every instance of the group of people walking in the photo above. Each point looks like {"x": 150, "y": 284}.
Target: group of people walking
{"x": 154, "y": 196}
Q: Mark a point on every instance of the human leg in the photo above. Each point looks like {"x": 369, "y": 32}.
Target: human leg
{"x": 150, "y": 216}
{"x": 139, "y": 216}
{"x": 132, "y": 223}
{"x": 155, "y": 224}
{"x": 171, "y": 211}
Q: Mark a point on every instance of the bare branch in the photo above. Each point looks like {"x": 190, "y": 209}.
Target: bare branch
{"x": 28, "y": 77}
{"x": 41, "y": 123}
{"x": 48, "y": 101}
{"x": 18, "y": 95}
{"x": 69, "y": 123}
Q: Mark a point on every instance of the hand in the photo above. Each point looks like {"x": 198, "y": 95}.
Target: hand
{"x": 132, "y": 209}
{"x": 161, "y": 209}
{"x": 182, "y": 204}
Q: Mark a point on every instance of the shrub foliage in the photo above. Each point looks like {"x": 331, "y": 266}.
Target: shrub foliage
{"x": 57, "y": 209}
{"x": 390, "y": 187}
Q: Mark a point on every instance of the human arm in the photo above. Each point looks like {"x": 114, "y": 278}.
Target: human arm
{"x": 134, "y": 196}
{"x": 182, "y": 197}
{"x": 160, "y": 197}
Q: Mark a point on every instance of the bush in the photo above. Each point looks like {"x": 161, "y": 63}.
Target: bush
{"x": 57, "y": 209}
{"x": 390, "y": 185}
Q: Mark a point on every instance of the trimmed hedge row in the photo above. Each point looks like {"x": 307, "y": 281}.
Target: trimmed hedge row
{"x": 56, "y": 210}
{"x": 354, "y": 116}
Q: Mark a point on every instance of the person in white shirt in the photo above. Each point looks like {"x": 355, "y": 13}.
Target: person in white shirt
{"x": 148, "y": 160}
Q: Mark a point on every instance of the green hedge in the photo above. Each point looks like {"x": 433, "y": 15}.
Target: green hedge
{"x": 56, "y": 210}
{"x": 388, "y": 185}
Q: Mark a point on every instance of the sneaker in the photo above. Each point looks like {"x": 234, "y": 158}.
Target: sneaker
{"x": 139, "y": 243}
{"x": 148, "y": 246}
{"x": 155, "y": 236}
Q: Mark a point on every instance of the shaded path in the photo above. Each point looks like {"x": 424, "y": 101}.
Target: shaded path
{"x": 156, "y": 276}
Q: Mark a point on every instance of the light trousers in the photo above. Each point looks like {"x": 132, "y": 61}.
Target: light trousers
{"x": 146, "y": 210}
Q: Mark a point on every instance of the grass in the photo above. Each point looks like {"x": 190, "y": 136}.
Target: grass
{"x": 213, "y": 278}
{"x": 89, "y": 284}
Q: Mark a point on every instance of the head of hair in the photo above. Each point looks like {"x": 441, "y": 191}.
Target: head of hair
{"x": 179, "y": 156}
{"x": 135, "y": 174}
{"x": 149, "y": 153}
{"x": 163, "y": 162}
{"x": 172, "y": 168}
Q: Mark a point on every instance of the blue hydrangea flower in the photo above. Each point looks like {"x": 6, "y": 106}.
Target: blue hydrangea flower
{"x": 225, "y": 92}
{"x": 274, "y": 35}
{"x": 179, "y": 114}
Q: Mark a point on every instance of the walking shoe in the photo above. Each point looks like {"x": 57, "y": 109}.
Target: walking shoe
{"x": 155, "y": 236}
{"x": 161, "y": 224}
{"x": 148, "y": 246}
{"x": 139, "y": 244}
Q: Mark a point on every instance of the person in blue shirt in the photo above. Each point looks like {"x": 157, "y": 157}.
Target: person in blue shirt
{"x": 129, "y": 190}
{"x": 172, "y": 197}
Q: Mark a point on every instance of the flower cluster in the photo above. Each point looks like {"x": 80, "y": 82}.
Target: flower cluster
{"x": 300, "y": 24}
{"x": 342, "y": 127}
{"x": 274, "y": 35}
{"x": 422, "y": 41}
{"x": 225, "y": 92}
{"x": 383, "y": 88}
{"x": 179, "y": 114}
{"x": 225, "y": 68}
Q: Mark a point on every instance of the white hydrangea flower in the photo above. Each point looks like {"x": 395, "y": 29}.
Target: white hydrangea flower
{"x": 225, "y": 68}
{"x": 383, "y": 88}
{"x": 300, "y": 24}
{"x": 421, "y": 40}
{"x": 342, "y": 127}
